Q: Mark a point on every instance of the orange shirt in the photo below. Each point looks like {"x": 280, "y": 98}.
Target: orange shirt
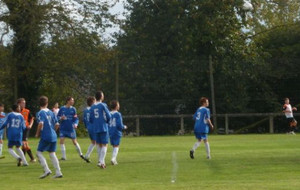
{"x": 27, "y": 116}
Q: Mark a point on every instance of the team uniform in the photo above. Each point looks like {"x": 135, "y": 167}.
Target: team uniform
{"x": 100, "y": 117}
{"x": 289, "y": 117}
{"x": 48, "y": 140}
{"x": 89, "y": 127}
{"x": 67, "y": 127}
{"x": 15, "y": 125}
{"x": 116, "y": 127}
{"x": 2, "y": 119}
{"x": 201, "y": 130}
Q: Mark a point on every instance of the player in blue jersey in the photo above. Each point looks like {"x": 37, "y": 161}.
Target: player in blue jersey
{"x": 116, "y": 127}
{"x": 15, "y": 125}
{"x": 202, "y": 127}
{"x": 2, "y": 119}
{"x": 68, "y": 119}
{"x": 86, "y": 120}
{"x": 100, "y": 117}
{"x": 47, "y": 125}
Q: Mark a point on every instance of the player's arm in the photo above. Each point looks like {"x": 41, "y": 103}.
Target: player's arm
{"x": 210, "y": 124}
{"x": 294, "y": 109}
{"x": 60, "y": 117}
{"x": 39, "y": 128}
{"x": 3, "y": 124}
{"x": 75, "y": 120}
{"x": 31, "y": 120}
{"x": 119, "y": 123}
{"x": 107, "y": 114}
{"x": 284, "y": 109}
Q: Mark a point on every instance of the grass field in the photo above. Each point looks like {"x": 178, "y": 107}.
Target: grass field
{"x": 238, "y": 162}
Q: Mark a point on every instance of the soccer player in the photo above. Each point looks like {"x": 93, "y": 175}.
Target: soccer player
{"x": 47, "y": 125}
{"x": 2, "y": 119}
{"x": 202, "y": 126}
{"x": 15, "y": 125}
{"x": 29, "y": 119}
{"x": 288, "y": 111}
{"x": 115, "y": 129}
{"x": 67, "y": 116}
{"x": 86, "y": 120}
{"x": 100, "y": 117}
{"x": 55, "y": 108}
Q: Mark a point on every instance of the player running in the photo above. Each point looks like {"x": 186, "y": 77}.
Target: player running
{"x": 15, "y": 125}
{"x": 288, "y": 111}
{"x": 29, "y": 119}
{"x": 68, "y": 119}
{"x": 201, "y": 127}
{"x": 86, "y": 120}
{"x": 100, "y": 117}
{"x": 115, "y": 129}
{"x": 47, "y": 125}
{"x": 2, "y": 119}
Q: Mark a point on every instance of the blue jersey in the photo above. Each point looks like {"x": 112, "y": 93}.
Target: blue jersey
{"x": 116, "y": 124}
{"x": 99, "y": 117}
{"x": 15, "y": 125}
{"x": 67, "y": 125}
{"x": 2, "y": 118}
{"x": 49, "y": 120}
{"x": 86, "y": 119}
{"x": 201, "y": 116}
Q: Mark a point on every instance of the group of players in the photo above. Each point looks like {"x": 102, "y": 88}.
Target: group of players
{"x": 101, "y": 124}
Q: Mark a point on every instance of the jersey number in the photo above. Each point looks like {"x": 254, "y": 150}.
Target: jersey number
{"x": 15, "y": 123}
{"x": 96, "y": 113}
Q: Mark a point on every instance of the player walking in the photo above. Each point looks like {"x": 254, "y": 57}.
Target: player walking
{"x": 86, "y": 120}
{"x": 47, "y": 125}
{"x": 2, "y": 119}
{"x": 68, "y": 119}
{"x": 201, "y": 127}
{"x": 100, "y": 117}
{"x": 115, "y": 129}
{"x": 29, "y": 119}
{"x": 288, "y": 111}
{"x": 15, "y": 125}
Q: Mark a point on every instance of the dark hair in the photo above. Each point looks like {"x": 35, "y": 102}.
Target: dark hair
{"x": 1, "y": 105}
{"x": 43, "y": 101}
{"x": 90, "y": 100}
{"x": 203, "y": 100}
{"x": 98, "y": 95}
{"x": 20, "y": 100}
{"x": 68, "y": 98}
{"x": 15, "y": 107}
{"x": 113, "y": 104}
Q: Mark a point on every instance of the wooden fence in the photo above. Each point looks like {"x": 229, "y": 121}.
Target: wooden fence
{"x": 226, "y": 117}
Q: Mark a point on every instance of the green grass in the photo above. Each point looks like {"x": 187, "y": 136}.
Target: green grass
{"x": 238, "y": 162}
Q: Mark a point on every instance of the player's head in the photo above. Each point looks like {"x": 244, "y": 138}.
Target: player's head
{"x": 16, "y": 108}
{"x": 204, "y": 102}
{"x": 70, "y": 101}
{"x": 99, "y": 95}
{"x": 21, "y": 102}
{"x": 1, "y": 107}
{"x": 56, "y": 105}
{"x": 43, "y": 101}
{"x": 90, "y": 100}
{"x": 114, "y": 105}
{"x": 286, "y": 100}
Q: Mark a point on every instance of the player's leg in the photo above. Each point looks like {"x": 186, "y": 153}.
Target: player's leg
{"x": 1, "y": 144}
{"x": 103, "y": 149}
{"x": 207, "y": 148}
{"x": 13, "y": 153}
{"x": 62, "y": 147}
{"x": 53, "y": 157}
{"x": 29, "y": 152}
{"x": 76, "y": 144}
{"x": 115, "y": 142}
{"x": 196, "y": 145}
{"x": 21, "y": 154}
{"x": 41, "y": 148}
{"x": 91, "y": 147}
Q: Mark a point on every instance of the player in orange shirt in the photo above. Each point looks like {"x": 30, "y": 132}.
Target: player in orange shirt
{"x": 29, "y": 119}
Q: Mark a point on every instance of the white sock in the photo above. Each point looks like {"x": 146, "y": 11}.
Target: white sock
{"x": 13, "y": 153}
{"x": 1, "y": 146}
{"x": 115, "y": 153}
{"x": 90, "y": 150}
{"x": 207, "y": 149}
{"x": 43, "y": 161}
{"x": 55, "y": 163}
{"x": 103, "y": 154}
{"x": 63, "y": 151}
{"x": 78, "y": 149}
{"x": 20, "y": 152}
{"x": 99, "y": 150}
{"x": 196, "y": 145}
